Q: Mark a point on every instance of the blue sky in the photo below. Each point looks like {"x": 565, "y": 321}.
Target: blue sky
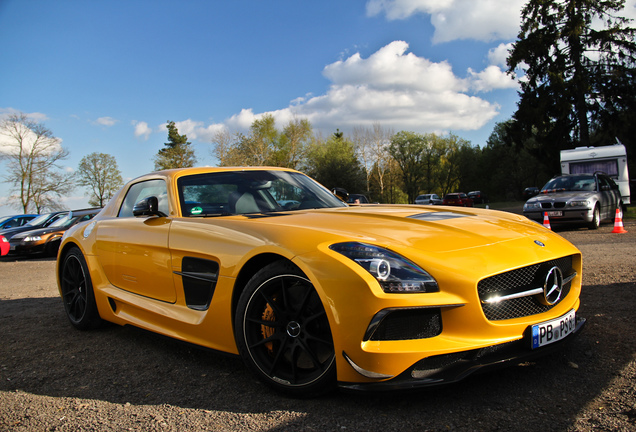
{"x": 105, "y": 76}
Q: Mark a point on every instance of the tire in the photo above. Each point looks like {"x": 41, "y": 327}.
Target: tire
{"x": 283, "y": 333}
{"x": 596, "y": 218}
{"x": 77, "y": 292}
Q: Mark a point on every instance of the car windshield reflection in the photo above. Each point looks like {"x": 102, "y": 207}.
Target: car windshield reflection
{"x": 570, "y": 184}
{"x": 251, "y": 192}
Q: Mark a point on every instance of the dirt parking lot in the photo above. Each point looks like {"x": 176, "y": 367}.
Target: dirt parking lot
{"x": 55, "y": 378}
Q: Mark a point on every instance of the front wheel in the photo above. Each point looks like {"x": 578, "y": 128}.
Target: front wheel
{"x": 77, "y": 292}
{"x": 596, "y": 218}
{"x": 283, "y": 333}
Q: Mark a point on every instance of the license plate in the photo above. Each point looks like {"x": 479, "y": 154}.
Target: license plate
{"x": 555, "y": 213}
{"x": 554, "y": 330}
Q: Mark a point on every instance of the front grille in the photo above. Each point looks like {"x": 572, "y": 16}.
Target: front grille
{"x": 517, "y": 281}
{"x": 546, "y": 205}
{"x": 406, "y": 324}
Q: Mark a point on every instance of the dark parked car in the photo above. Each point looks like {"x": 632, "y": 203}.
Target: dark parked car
{"x": 427, "y": 199}
{"x": 41, "y": 221}
{"x": 529, "y": 192}
{"x": 576, "y": 199}
{"x": 478, "y": 197}
{"x": 15, "y": 221}
{"x": 47, "y": 240}
{"x": 457, "y": 199}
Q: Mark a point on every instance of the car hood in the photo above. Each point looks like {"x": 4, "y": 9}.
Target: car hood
{"x": 10, "y": 232}
{"x": 562, "y": 196}
{"x": 441, "y": 230}
{"x": 39, "y": 232}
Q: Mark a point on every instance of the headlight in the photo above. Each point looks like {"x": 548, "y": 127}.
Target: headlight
{"x": 584, "y": 203}
{"x": 32, "y": 238}
{"x": 532, "y": 206}
{"x": 394, "y": 273}
{"x": 3, "y": 239}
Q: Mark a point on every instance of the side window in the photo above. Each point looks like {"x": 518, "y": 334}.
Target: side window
{"x": 139, "y": 191}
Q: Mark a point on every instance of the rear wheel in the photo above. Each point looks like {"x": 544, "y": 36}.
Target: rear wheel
{"x": 77, "y": 292}
{"x": 283, "y": 333}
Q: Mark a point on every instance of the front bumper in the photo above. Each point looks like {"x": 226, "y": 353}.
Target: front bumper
{"x": 567, "y": 216}
{"x": 26, "y": 248}
{"x": 449, "y": 368}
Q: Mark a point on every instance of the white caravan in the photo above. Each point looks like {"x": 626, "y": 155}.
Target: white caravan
{"x": 611, "y": 159}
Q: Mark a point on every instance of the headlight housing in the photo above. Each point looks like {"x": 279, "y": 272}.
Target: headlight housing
{"x": 532, "y": 206}
{"x": 32, "y": 238}
{"x": 579, "y": 203}
{"x": 394, "y": 273}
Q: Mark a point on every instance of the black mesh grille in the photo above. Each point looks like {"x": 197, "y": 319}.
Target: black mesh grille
{"x": 407, "y": 324}
{"x": 521, "y": 280}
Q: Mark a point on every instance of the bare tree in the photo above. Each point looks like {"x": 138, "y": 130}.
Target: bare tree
{"x": 32, "y": 154}
{"x": 100, "y": 174}
{"x": 372, "y": 150}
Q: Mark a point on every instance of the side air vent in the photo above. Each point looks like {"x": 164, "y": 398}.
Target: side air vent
{"x": 199, "y": 280}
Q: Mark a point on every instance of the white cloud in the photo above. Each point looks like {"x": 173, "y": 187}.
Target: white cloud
{"x": 106, "y": 121}
{"x": 491, "y": 78}
{"x": 390, "y": 67}
{"x": 36, "y": 116}
{"x": 142, "y": 130}
{"x": 498, "y": 56}
{"x": 485, "y": 20}
{"x": 196, "y": 130}
{"x": 395, "y": 88}
{"x": 9, "y": 143}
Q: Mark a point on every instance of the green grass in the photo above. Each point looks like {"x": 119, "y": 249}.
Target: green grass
{"x": 630, "y": 213}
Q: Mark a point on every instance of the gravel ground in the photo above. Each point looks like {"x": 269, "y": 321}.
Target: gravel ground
{"x": 55, "y": 378}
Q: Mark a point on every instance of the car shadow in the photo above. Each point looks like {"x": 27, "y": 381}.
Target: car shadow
{"x": 43, "y": 354}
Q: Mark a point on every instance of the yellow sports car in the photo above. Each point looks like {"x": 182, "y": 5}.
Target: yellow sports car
{"x": 312, "y": 293}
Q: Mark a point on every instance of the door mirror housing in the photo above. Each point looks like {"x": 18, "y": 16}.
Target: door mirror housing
{"x": 148, "y": 207}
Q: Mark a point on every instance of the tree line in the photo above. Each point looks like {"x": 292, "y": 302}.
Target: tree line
{"x": 576, "y": 59}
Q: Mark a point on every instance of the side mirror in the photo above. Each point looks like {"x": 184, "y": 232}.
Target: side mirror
{"x": 341, "y": 194}
{"x": 147, "y": 207}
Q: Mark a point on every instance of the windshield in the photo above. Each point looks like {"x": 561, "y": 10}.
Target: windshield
{"x": 5, "y": 218}
{"x": 246, "y": 192}
{"x": 39, "y": 220}
{"x": 63, "y": 222}
{"x": 570, "y": 183}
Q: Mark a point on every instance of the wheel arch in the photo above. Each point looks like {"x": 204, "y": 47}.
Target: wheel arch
{"x": 62, "y": 252}
{"x": 248, "y": 270}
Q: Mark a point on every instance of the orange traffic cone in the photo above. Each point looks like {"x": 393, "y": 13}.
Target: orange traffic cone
{"x": 618, "y": 223}
{"x": 546, "y": 221}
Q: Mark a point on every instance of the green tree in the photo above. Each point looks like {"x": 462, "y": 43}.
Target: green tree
{"x": 100, "y": 174}
{"x": 334, "y": 164}
{"x": 177, "y": 152}
{"x": 265, "y": 144}
{"x": 32, "y": 155}
{"x": 510, "y": 168}
{"x": 574, "y": 68}
{"x": 415, "y": 155}
{"x": 290, "y": 148}
{"x": 455, "y": 159}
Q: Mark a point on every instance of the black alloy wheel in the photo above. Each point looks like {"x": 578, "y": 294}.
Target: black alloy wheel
{"x": 77, "y": 292}
{"x": 283, "y": 332}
